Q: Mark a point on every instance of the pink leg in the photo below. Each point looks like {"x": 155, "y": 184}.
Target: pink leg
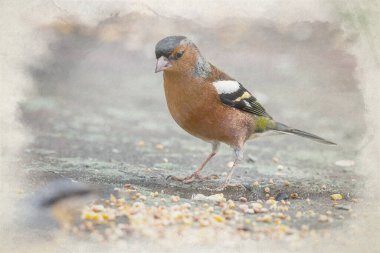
{"x": 197, "y": 173}
{"x": 226, "y": 183}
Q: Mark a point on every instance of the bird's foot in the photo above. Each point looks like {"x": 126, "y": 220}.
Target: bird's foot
{"x": 196, "y": 176}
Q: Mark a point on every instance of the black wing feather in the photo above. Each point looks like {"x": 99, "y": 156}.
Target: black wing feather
{"x": 243, "y": 100}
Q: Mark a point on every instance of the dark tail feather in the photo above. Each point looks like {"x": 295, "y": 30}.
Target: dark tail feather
{"x": 288, "y": 130}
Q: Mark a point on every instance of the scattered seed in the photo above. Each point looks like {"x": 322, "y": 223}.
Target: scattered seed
{"x": 243, "y": 199}
{"x": 230, "y": 164}
{"x": 294, "y": 195}
{"x": 174, "y": 198}
{"x": 336, "y": 197}
{"x": 267, "y": 189}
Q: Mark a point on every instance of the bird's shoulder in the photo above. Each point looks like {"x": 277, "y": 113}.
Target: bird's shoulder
{"x": 234, "y": 94}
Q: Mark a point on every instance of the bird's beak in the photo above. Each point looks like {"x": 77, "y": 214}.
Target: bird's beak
{"x": 162, "y": 64}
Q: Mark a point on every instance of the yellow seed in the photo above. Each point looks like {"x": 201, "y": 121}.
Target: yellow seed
{"x": 113, "y": 198}
{"x": 336, "y": 197}
{"x": 218, "y": 218}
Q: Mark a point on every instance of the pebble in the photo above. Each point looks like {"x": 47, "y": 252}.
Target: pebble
{"x": 251, "y": 159}
{"x": 282, "y": 196}
{"x": 343, "y": 207}
{"x": 230, "y": 164}
{"x": 267, "y": 189}
{"x": 345, "y": 163}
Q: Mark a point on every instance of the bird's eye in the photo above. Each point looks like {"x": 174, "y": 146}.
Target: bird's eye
{"x": 178, "y": 55}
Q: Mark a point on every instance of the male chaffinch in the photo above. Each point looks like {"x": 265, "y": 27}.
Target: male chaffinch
{"x": 210, "y": 105}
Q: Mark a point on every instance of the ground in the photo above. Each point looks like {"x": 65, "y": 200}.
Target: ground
{"x": 99, "y": 116}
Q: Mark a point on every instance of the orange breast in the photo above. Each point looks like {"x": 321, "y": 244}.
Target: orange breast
{"x": 196, "y": 107}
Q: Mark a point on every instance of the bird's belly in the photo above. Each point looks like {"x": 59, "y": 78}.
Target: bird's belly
{"x": 220, "y": 123}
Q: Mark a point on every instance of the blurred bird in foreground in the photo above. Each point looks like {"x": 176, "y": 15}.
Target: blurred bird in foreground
{"x": 36, "y": 222}
{"x": 211, "y": 105}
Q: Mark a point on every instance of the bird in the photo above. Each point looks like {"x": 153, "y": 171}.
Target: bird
{"x": 211, "y": 105}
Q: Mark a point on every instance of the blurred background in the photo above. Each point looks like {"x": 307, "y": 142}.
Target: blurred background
{"x": 97, "y": 111}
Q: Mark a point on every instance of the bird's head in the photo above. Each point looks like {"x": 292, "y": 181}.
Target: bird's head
{"x": 178, "y": 54}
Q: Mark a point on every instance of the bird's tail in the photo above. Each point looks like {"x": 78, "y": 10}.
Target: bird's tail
{"x": 288, "y": 130}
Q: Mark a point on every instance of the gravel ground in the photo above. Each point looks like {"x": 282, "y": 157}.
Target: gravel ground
{"x": 99, "y": 116}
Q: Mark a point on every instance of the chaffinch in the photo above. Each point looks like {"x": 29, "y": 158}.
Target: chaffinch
{"x": 211, "y": 105}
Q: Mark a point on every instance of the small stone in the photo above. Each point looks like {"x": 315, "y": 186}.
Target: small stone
{"x": 286, "y": 183}
{"x": 230, "y": 164}
{"x": 267, "y": 189}
{"x": 343, "y": 207}
{"x": 271, "y": 181}
{"x": 275, "y": 159}
{"x": 345, "y": 163}
{"x": 256, "y": 184}
{"x": 251, "y": 159}
{"x": 282, "y": 196}
{"x": 324, "y": 218}
{"x": 324, "y": 187}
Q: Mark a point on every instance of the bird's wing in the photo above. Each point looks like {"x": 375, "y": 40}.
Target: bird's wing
{"x": 232, "y": 93}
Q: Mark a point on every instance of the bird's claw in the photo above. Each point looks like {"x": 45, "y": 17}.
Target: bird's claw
{"x": 193, "y": 177}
